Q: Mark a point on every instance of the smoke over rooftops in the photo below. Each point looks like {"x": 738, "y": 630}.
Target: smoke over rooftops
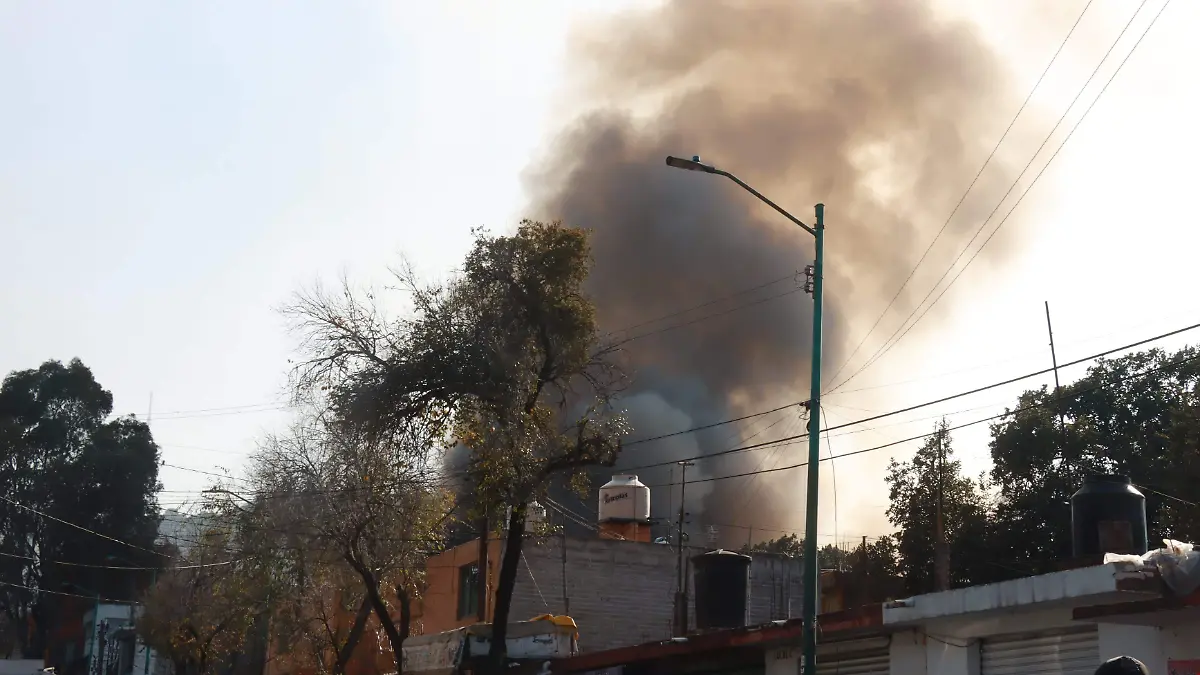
{"x": 881, "y": 110}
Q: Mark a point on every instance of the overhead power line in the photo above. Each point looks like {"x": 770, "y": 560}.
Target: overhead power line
{"x": 966, "y": 192}
{"x": 704, "y": 304}
{"x": 905, "y": 327}
{"x": 706, "y": 317}
{"x": 994, "y": 385}
{"x": 80, "y": 527}
{"x": 1008, "y": 413}
{"x": 114, "y": 567}
{"x": 713, "y": 425}
{"x": 200, "y": 471}
{"x": 69, "y": 595}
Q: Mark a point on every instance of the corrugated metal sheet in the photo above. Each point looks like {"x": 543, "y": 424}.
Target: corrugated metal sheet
{"x": 1061, "y": 653}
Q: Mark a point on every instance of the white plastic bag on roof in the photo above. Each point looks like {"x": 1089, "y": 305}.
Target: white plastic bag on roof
{"x": 1177, "y": 562}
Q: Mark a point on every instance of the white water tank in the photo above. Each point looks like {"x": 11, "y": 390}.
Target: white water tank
{"x": 624, "y": 498}
{"x": 535, "y": 516}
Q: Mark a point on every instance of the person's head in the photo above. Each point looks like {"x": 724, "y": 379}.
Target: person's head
{"x": 1122, "y": 665}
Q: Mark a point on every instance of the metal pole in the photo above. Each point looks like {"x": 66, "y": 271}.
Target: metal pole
{"x": 811, "y": 567}
{"x": 812, "y": 570}
{"x": 1062, "y": 425}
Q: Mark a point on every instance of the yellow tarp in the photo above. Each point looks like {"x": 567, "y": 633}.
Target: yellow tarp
{"x": 559, "y": 620}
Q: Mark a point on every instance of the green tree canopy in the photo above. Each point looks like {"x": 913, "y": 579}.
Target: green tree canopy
{"x": 916, "y": 487}
{"x": 64, "y": 456}
{"x": 1135, "y": 415}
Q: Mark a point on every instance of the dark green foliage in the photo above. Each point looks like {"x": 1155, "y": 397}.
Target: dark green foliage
{"x": 62, "y": 455}
{"x": 1135, "y": 415}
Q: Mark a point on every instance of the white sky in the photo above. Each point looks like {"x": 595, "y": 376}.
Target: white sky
{"x": 169, "y": 174}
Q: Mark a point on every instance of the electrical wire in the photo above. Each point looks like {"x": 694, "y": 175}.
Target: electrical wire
{"x": 752, "y": 492}
{"x": 702, "y": 305}
{"x": 80, "y": 527}
{"x": 833, "y": 470}
{"x": 1167, "y": 496}
{"x": 706, "y": 317}
{"x": 966, "y": 192}
{"x": 943, "y": 399}
{"x": 713, "y": 425}
{"x": 889, "y": 343}
{"x": 848, "y": 424}
{"x": 267, "y": 494}
{"x": 532, "y": 578}
{"x": 114, "y": 567}
{"x": 70, "y": 595}
{"x": 1002, "y": 415}
{"x": 200, "y": 471}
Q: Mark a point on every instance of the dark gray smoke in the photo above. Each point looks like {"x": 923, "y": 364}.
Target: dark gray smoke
{"x": 881, "y": 110}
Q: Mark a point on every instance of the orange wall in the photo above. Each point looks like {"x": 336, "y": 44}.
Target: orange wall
{"x": 439, "y": 611}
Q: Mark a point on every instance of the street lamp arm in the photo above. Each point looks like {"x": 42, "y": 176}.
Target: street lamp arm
{"x": 766, "y": 201}
{"x": 219, "y": 491}
{"x": 694, "y": 164}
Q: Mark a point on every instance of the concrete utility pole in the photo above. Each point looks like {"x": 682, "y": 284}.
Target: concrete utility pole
{"x": 681, "y": 598}
{"x": 814, "y": 285}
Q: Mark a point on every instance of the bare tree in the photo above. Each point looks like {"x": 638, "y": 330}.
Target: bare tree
{"x": 505, "y": 359}
{"x": 360, "y": 516}
{"x": 200, "y": 611}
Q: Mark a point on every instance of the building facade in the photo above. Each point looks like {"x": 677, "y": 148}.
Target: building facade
{"x": 1065, "y": 623}
{"x": 619, "y": 592}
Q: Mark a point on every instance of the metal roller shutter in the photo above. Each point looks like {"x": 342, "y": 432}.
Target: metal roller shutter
{"x": 1060, "y": 653}
{"x": 868, "y": 664}
{"x": 857, "y": 657}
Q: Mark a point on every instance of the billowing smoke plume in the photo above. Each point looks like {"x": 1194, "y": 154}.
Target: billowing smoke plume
{"x": 883, "y": 111}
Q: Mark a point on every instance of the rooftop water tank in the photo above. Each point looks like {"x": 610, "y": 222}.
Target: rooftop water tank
{"x": 1108, "y": 515}
{"x": 535, "y": 516}
{"x": 624, "y": 499}
{"x": 721, "y": 580}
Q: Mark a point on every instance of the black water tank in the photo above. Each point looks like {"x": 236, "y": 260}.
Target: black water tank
{"x": 722, "y": 582}
{"x": 1108, "y": 515}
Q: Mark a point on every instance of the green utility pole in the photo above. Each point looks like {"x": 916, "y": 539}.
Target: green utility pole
{"x": 812, "y": 569}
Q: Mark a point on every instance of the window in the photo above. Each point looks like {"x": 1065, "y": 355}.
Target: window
{"x": 468, "y": 590}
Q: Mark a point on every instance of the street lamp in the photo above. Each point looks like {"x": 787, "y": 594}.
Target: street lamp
{"x": 811, "y": 567}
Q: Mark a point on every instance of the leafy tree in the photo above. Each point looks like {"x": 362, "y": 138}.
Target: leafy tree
{"x": 61, "y": 455}
{"x": 874, "y": 566}
{"x": 829, "y": 556}
{"x": 914, "y": 488}
{"x": 505, "y": 359}
{"x": 1136, "y": 415}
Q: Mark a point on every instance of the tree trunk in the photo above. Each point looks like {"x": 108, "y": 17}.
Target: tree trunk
{"x": 395, "y": 639}
{"x": 405, "y": 612}
{"x": 504, "y": 587}
{"x": 352, "y": 638}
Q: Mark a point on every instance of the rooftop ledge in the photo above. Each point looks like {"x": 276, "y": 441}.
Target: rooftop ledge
{"x": 1085, "y": 585}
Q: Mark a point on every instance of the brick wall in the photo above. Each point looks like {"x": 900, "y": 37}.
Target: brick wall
{"x": 621, "y": 593}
